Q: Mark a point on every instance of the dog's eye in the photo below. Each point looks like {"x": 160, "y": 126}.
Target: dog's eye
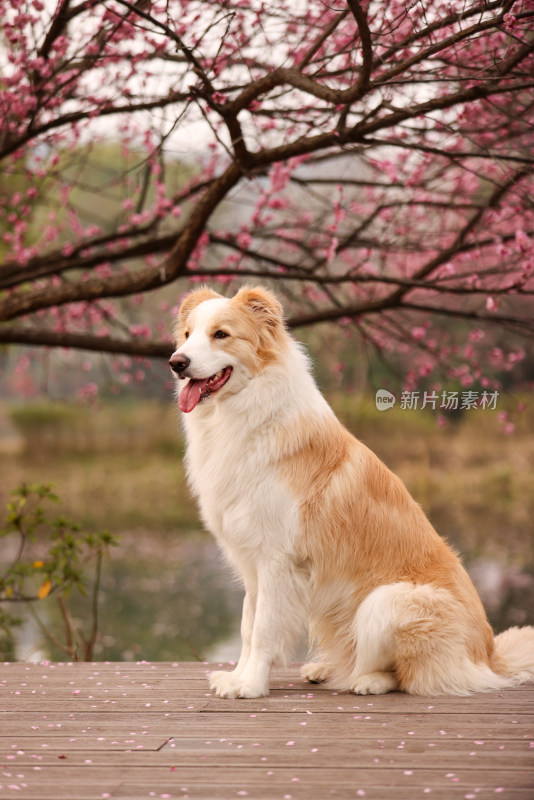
{"x": 220, "y": 335}
{"x": 186, "y": 334}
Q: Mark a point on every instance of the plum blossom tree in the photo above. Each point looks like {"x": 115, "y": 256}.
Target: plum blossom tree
{"x": 370, "y": 160}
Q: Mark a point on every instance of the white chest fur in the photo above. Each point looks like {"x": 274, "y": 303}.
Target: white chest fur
{"x": 232, "y": 470}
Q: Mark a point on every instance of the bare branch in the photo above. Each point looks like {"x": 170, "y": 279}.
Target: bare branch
{"x": 42, "y": 337}
{"x": 367, "y": 48}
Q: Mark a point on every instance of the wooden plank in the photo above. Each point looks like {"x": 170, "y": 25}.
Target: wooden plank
{"x": 258, "y": 790}
{"x": 306, "y": 753}
{"x": 308, "y": 791}
{"x": 167, "y": 697}
{"x": 234, "y": 775}
{"x": 137, "y": 671}
{"x": 519, "y": 723}
{"x": 271, "y": 726}
{"x": 27, "y": 726}
{"x": 82, "y": 742}
{"x": 262, "y": 791}
{"x": 108, "y": 704}
{"x": 317, "y": 782}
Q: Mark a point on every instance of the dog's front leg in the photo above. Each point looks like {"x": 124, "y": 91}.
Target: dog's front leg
{"x": 276, "y": 623}
{"x": 247, "y": 627}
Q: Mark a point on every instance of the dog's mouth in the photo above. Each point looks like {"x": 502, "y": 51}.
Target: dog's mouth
{"x": 196, "y": 389}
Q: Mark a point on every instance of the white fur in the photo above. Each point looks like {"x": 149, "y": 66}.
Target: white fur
{"x": 244, "y": 503}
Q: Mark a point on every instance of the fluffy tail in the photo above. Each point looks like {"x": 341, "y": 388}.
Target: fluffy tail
{"x": 514, "y": 651}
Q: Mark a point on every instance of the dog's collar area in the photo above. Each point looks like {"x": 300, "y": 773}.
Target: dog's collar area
{"x": 196, "y": 389}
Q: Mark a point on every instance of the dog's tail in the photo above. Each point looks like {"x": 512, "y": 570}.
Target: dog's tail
{"x": 514, "y": 655}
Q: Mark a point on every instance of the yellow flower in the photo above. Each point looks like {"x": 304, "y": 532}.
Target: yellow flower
{"x": 38, "y": 564}
{"x": 44, "y": 590}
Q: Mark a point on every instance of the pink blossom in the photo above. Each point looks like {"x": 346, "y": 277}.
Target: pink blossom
{"x": 476, "y": 335}
{"x": 425, "y": 368}
{"x": 510, "y": 21}
{"x": 522, "y": 241}
{"x": 143, "y": 331}
{"x": 88, "y": 392}
{"x": 331, "y": 251}
{"x": 244, "y": 239}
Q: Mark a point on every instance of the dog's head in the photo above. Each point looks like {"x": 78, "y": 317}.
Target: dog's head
{"x": 222, "y": 343}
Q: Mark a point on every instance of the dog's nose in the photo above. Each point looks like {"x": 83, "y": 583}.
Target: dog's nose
{"x": 179, "y": 363}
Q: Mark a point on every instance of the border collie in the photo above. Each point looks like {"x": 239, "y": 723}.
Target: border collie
{"x": 320, "y": 531}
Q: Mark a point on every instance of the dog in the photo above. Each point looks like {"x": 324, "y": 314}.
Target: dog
{"x": 320, "y": 531}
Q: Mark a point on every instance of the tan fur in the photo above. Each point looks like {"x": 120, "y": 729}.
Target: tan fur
{"x": 362, "y": 527}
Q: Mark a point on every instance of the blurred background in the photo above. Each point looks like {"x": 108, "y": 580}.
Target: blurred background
{"x": 166, "y": 593}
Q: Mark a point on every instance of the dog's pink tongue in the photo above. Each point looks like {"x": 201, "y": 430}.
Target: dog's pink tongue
{"x": 190, "y": 394}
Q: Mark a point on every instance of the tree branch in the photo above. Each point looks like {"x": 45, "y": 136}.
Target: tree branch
{"x": 42, "y": 337}
{"x": 367, "y": 48}
{"x": 360, "y": 310}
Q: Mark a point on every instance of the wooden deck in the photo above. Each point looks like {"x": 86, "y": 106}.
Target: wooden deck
{"x": 154, "y": 730}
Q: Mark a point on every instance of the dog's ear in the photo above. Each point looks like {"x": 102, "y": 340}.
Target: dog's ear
{"x": 192, "y": 300}
{"x": 262, "y": 303}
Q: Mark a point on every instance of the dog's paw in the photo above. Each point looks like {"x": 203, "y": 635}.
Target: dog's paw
{"x": 374, "y": 683}
{"x": 315, "y": 672}
{"x": 228, "y": 684}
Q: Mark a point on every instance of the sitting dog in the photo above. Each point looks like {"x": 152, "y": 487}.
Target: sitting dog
{"x": 317, "y": 527}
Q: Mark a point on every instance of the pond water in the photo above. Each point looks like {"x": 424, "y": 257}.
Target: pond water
{"x": 165, "y": 599}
